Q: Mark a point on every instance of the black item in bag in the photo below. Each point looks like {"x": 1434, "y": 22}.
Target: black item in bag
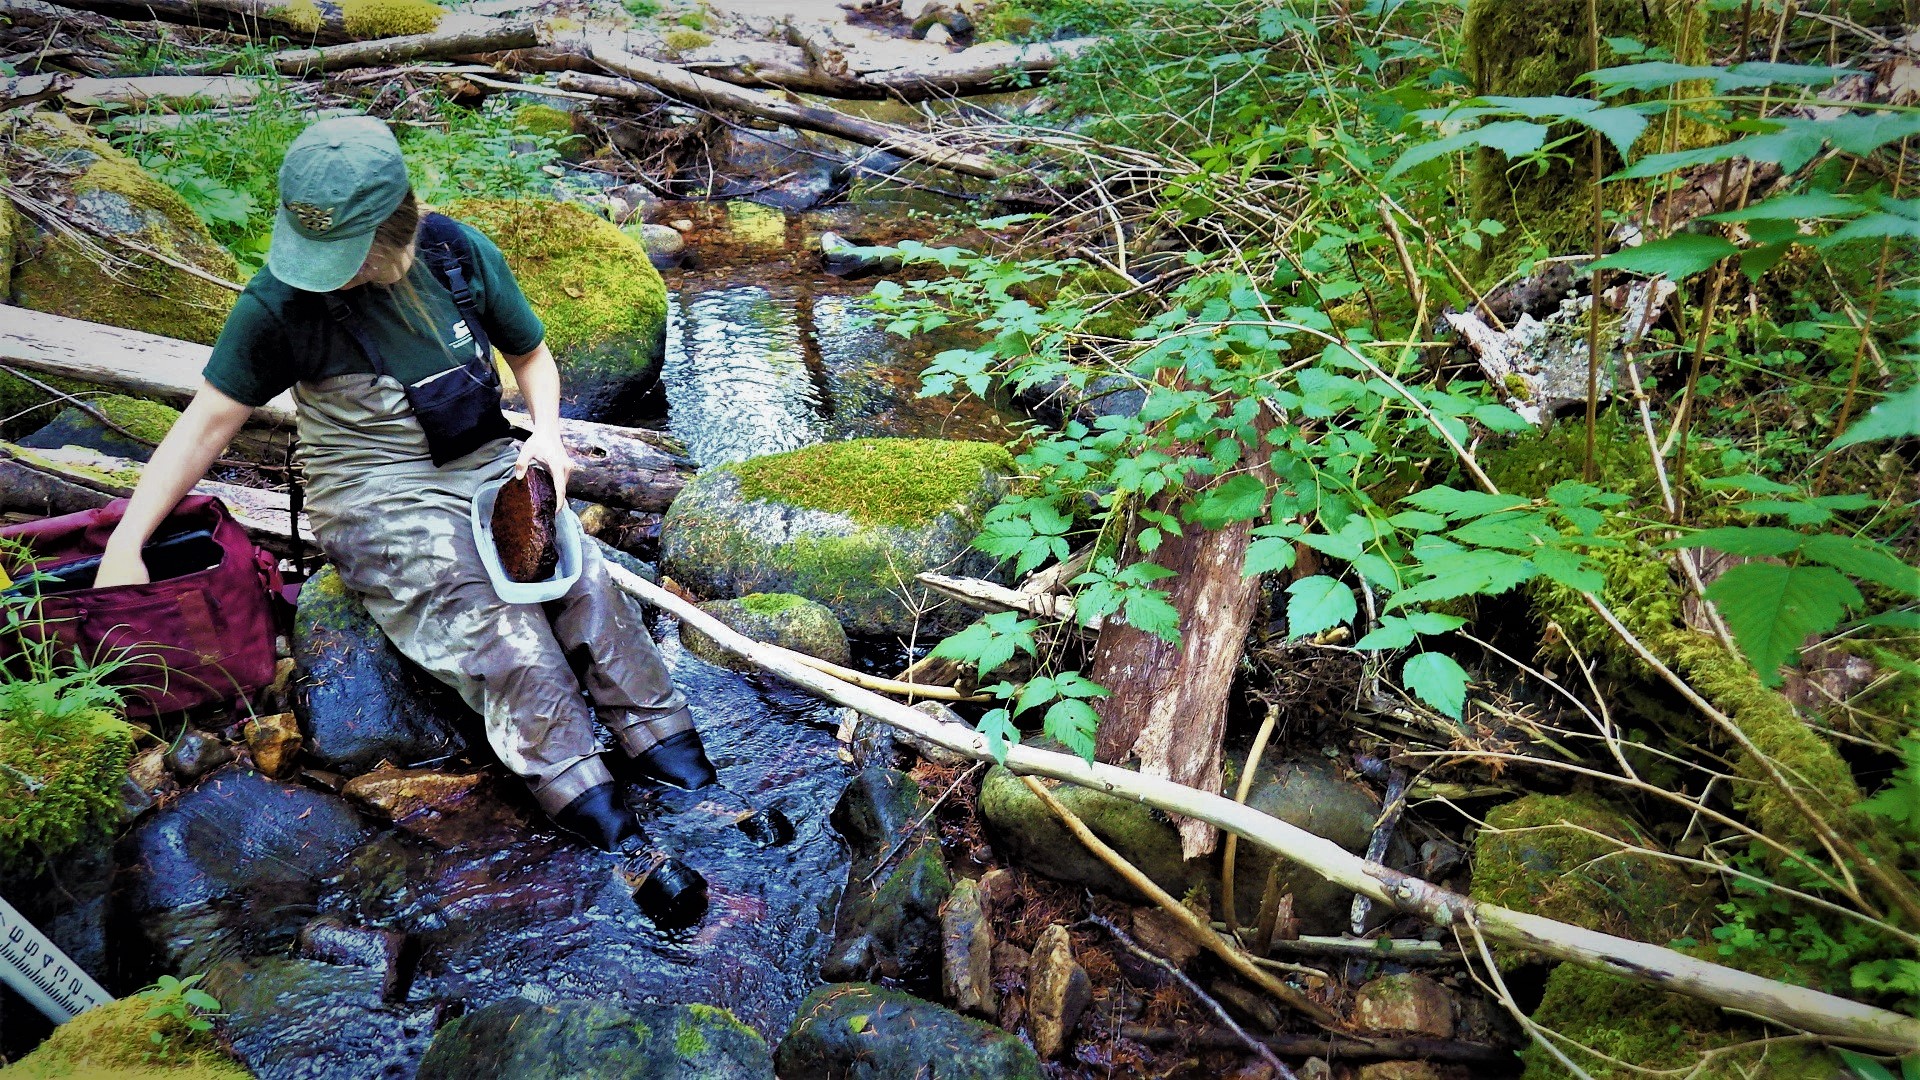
{"x": 459, "y": 409}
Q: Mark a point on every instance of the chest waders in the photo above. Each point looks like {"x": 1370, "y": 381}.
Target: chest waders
{"x": 392, "y": 515}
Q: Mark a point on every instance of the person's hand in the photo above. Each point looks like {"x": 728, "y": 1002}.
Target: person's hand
{"x": 121, "y": 567}
{"x": 544, "y": 446}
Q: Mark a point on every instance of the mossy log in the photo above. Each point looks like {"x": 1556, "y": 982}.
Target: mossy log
{"x": 302, "y": 21}
{"x": 629, "y": 468}
{"x": 1668, "y": 969}
{"x": 460, "y": 41}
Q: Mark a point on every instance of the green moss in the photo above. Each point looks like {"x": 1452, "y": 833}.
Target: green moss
{"x": 876, "y": 481}
{"x": 1537, "y": 48}
{"x": 147, "y": 420}
{"x": 301, "y": 15}
{"x": 771, "y": 603}
{"x": 389, "y": 18}
{"x": 683, "y": 40}
{"x": 55, "y": 275}
{"x": 114, "y": 1042}
{"x": 120, "y": 478}
{"x": 689, "y": 1041}
{"x": 550, "y": 123}
{"x": 59, "y": 782}
{"x": 8, "y": 229}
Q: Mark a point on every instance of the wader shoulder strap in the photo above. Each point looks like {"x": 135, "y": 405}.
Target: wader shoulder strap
{"x": 449, "y": 256}
{"x": 349, "y": 321}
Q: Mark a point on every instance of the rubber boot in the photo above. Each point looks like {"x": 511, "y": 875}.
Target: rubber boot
{"x": 598, "y": 816}
{"x": 679, "y": 760}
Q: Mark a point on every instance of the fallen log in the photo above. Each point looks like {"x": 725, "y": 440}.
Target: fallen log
{"x": 1798, "y": 1007}
{"x": 255, "y": 18}
{"x": 150, "y": 90}
{"x": 713, "y": 94}
{"x": 26, "y": 89}
{"x": 629, "y": 468}
{"x": 987, "y": 596}
{"x": 461, "y": 41}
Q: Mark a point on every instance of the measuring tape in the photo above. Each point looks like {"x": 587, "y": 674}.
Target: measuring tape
{"x": 41, "y": 973}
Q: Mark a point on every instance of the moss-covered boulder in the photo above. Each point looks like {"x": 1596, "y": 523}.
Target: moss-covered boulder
{"x": 147, "y": 421}
{"x": 783, "y": 619}
{"x": 59, "y": 782}
{"x": 553, "y": 125}
{"x": 604, "y": 305}
{"x": 858, "y": 1031}
{"x": 846, "y": 524}
{"x": 118, "y": 198}
{"x": 115, "y": 1042}
{"x": 1557, "y": 856}
{"x": 888, "y": 926}
{"x": 368, "y": 19}
{"x": 568, "y": 1039}
{"x": 1308, "y": 793}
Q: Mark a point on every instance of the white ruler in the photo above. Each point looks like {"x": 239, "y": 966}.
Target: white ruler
{"x": 42, "y": 974}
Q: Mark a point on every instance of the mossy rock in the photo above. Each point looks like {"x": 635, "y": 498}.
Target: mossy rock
{"x": 858, "y": 1031}
{"x": 783, "y": 619}
{"x": 568, "y": 1039}
{"x": 551, "y": 123}
{"x": 845, "y": 524}
{"x": 890, "y": 928}
{"x": 1539, "y": 854}
{"x": 1308, "y": 794}
{"x": 367, "y": 19}
{"x": 604, "y": 305}
{"x": 1647, "y": 1029}
{"x": 119, "y": 198}
{"x": 9, "y": 229}
{"x": 115, "y": 1042}
{"x": 1539, "y": 48}
{"x": 148, "y": 421}
{"x": 59, "y": 782}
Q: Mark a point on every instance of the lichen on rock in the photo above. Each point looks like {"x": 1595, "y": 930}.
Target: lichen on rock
{"x": 517, "y": 1037}
{"x": 389, "y": 18}
{"x": 604, "y": 305}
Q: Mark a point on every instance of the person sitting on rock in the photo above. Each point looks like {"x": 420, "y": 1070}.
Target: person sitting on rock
{"x": 398, "y": 404}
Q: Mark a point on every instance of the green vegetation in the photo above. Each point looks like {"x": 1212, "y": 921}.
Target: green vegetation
{"x": 389, "y": 18}
{"x": 771, "y": 603}
{"x": 158, "y": 1034}
{"x": 684, "y": 40}
{"x": 59, "y": 781}
{"x": 875, "y": 481}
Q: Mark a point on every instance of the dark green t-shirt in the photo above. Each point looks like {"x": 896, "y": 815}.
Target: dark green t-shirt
{"x": 278, "y": 335}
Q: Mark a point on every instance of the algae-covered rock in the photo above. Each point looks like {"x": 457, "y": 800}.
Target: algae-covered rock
{"x": 569, "y": 1039}
{"x": 604, "y": 305}
{"x": 783, "y": 619}
{"x": 367, "y": 19}
{"x": 1540, "y": 854}
{"x": 147, "y": 421}
{"x": 115, "y": 1042}
{"x": 117, "y": 197}
{"x": 1308, "y": 794}
{"x": 846, "y": 524}
{"x": 364, "y": 703}
{"x": 857, "y": 1031}
{"x": 59, "y": 783}
{"x": 889, "y": 923}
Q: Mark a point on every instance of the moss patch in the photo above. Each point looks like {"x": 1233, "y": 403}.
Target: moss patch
{"x": 59, "y": 781}
{"x": 876, "y": 481}
{"x": 114, "y": 1042}
{"x": 771, "y": 603}
{"x": 147, "y": 420}
{"x": 791, "y": 622}
{"x": 301, "y": 15}
{"x": 684, "y": 40}
{"x": 389, "y": 18}
{"x": 52, "y": 274}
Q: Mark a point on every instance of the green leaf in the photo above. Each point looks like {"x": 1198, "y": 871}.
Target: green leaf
{"x": 1897, "y": 417}
{"x": 1864, "y": 1067}
{"x": 1267, "y": 554}
{"x": 1438, "y": 680}
{"x": 1237, "y": 498}
{"x": 1741, "y": 540}
{"x": 1796, "y": 207}
{"x": 1621, "y": 126}
{"x": 1456, "y": 504}
{"x": 1675, "y": 257}
{"x": 1569, "y": 569}
{"x": 1772, "y": 609}
{"x": 1514, "y": 138}
{"x": 998, "y": 727}
{"x": 1863, "y": 559}
{"x": 1317, "y": 603}
{"x": 1073, "y": 722}
{"x": 1393, "y": 632}
{"x": 1465, "y": 573}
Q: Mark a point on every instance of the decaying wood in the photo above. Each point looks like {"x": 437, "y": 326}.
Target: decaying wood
{"x": 581, "y": 82}
{"x": 1795, "y": 1006}
{"x": 72, "y": 479}
{"x": 712, "y": 93}
{"x": 257, "y": 18}
{"x": 460, "y": 41}
{"x": 813, "y": 61}
{"x": 987, "y": 596}
{"x": 1345, "y": 1047}
{"x": 147, "y": 91}
{"x": 26, "y": 89}
{"x": 629, "y": 468}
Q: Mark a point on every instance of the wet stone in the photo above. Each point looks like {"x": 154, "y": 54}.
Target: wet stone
{"x": 858, "y": 1031}
{"x": 401, "y": 796}
{"x": 1058, "y": 992}
{"x": 561, "y": 1040}
{"x": 196, "y": 754}
{"x": 889, "y": 923}
{"x": 331, "y": 940}
{"x": 274, "y": 743}
{"x": 293, "y": 1019}
{"x": 1405, "y": 1004}
{"x": 967, "y": 974}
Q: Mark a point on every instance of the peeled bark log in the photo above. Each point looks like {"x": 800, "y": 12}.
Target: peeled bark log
{"x": 25, "y": 89}
{"x": 150, "y": 90}
{"x": 714, "y": 94}
{"x": 1653, "y": 965}
{"x": 461, "y": 41}
{"x": 629, "y": 468}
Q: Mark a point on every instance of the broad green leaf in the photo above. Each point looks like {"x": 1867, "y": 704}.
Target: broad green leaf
{"x": 1317, "y": 603}
{"x": 1874, "y": 227}
{"x": 1789, "y": 148}
{"x": 1741, "y": 540}
{"x": 1457, "y": 504}
{"x": 1772, "y": 609}
{"x": 1621, "y": 126}
{"x": 1072, "y": 722}
{"x": 1438, "y": 680}
{"x": 1897, "y": 417}
{"x": 1569, "y": 569}
{"x": 1514, "y": 138}
{"x": 1796, "y": 207}
{"x": 1465, "y": 573}
{"x": 1675, "y": 257}
{"x": 1863, "y": 559}
{"x": 1393, "y": 632}
{"x": 997, "y": 725}
{"x": 1237, "y": 498}
{"x": 1268, "y": 554}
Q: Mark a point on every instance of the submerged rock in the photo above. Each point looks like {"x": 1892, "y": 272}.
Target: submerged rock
{"x": 567, "y": 1039}
{"x": 604, "y": 305}
{"x": 196, "y": 754}
{"x": 399, "y": 796}
{"x": 304, "y": 1018}
{"x": 863, "y": 1032}
{"x": 846, "y": 524}
{"x": 364, "y": 703}
{"x": 791, "y": 622}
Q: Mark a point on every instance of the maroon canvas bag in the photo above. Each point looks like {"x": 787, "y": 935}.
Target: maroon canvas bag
{"x": 202, "y": 637}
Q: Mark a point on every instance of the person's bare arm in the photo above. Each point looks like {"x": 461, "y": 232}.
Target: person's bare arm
{"x": 539, "y": 379}
{"x": 203, "y": 431}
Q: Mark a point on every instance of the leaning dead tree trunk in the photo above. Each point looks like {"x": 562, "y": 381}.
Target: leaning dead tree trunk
{"x": 630, "y": 468}
{"x": 1795, "y": 1006}
{"x": 713, "y": 94}
{"x": 462, "y": 41}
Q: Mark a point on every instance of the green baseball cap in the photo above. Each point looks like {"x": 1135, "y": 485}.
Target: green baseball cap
{"x": 340, "y": 180}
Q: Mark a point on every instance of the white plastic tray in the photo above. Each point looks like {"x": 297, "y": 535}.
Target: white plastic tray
{"x": 567, "y": 528}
